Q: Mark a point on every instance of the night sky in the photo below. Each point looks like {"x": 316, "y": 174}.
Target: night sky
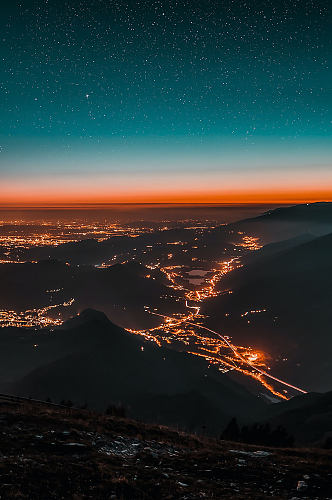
{"x": 165, "y": 101}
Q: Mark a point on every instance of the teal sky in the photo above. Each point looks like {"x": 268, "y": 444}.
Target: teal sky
{"x": 165, "y": 90}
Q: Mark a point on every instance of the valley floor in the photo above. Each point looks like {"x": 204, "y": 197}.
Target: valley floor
{"x": 52, "y": 452}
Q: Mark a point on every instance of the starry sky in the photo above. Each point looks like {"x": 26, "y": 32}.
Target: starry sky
{"x": 165, "y": 101}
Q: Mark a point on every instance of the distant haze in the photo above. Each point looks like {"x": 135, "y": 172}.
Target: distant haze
{"x": 221, "y": 214}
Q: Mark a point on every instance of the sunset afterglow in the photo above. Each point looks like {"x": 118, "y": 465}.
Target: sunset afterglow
{"x": 243, "y": 187}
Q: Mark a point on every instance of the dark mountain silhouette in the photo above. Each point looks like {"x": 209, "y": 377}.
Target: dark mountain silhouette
{"x": 308, "y": 417}
{"x": 298, "y": 255}
{"x": 287, "y": 222}
{"x": 99, "y": 363}
{"x": 271, "y": 249}
{"x": 293, "y": 287}
{"x": 281, "y": 224}
{"x": 88, "y": 317}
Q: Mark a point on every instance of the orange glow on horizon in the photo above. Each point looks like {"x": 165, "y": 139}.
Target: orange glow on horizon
{"x": 81, "y": 199}
{"x": 249, "y": 188}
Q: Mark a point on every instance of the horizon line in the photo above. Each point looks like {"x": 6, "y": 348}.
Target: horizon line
{"x": 109, "y": 204}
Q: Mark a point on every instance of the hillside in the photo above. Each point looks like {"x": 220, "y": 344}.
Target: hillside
{"x": 121, "y": 290}
{"x": 307, "y": 417}
{"x": 91, "y": 360}
{"x": 288, "y": 222}
{"x": 52, "y": 452}
{"x": 290, "y": 287}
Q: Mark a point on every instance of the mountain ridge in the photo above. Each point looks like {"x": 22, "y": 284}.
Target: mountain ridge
{"x": 117, "y": 366}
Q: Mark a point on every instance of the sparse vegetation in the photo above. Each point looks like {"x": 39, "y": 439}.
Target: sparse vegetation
{"x": 116, "y": 410}
{"x": 53, "y": 452}
{"x": 261, "y": 434}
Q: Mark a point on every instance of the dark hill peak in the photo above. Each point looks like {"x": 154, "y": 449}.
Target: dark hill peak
{"x": 318, "y": 210}
{"x": 87, "y": 317}
{"x": 288, "y": 222}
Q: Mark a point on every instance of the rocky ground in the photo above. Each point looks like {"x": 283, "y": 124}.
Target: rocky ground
{"x": 49, "y": 452}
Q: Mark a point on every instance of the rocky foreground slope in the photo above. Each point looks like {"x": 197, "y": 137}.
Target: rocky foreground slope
{"x": 52, "y": 452}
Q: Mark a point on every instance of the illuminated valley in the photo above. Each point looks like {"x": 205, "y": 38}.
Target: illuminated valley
{"x": 18, "y": 235}
{"x": 33, "y": 318}
{"x": 184, "y": 331}
{"x": 191, "y": 276}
